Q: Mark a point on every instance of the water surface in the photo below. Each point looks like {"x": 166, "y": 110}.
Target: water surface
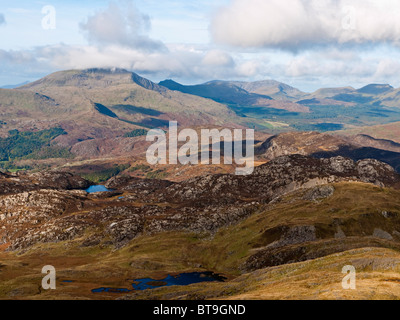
{"x": 98, "y": 188}
{"x": 183, "y": 279}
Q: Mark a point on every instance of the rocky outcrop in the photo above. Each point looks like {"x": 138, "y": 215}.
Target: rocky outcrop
{"x": 133, "y": 184}
{"x": 280, "y": 176}
{"x": 28, "y": 217}
{"x": 23, "y": 182}
{"x": 319, "y": 193}
{"x": 49, "y": 212}
{"x": 59, "y": 180}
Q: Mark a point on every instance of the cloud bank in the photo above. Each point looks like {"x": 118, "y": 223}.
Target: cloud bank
{"x": 294, "y": 24}
{"x": 2, "y": 19}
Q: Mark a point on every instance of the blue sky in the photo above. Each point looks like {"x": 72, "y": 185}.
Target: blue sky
{"x": 306, "y": 43}
{"x": 172, "y": 21}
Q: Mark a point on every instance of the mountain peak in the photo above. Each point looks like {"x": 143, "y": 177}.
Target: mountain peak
{"x": 92, "y": 78}
{"x": 376, "y": 89}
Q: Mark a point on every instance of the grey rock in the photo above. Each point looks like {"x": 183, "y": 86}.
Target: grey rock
{"x": 319, "y": 193}
{"x": 378, "y": 233}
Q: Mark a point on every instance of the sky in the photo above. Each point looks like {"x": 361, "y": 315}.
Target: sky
{"x": 308, "y": 44}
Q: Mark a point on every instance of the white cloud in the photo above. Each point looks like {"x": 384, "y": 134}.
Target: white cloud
{"x": 338, "y": 65}
{"x": 294, "y": 24}
{"x": 120, "y": 24}
{"x": 248, "y": 69}
{"x": 387, "y": 68}
{"x": 118, "y": 37}
{"x": 2, "y": 19}
{"x": 217, "y": 58}
{"x": 179, "y": 62}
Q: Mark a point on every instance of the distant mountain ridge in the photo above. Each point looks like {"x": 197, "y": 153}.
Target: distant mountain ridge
{"x": 221, "y": 91}
{"x": 375, "y": 89}
{"x": 239, "y": 92}
{"x": 257, "y": 93}
{"x": 236, "y": 93}
{"x": 13, "y": 86}
{"x": 275, "y": 89}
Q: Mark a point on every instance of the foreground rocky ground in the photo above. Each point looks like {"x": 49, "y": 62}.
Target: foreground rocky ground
{"x": 292, "y": 209}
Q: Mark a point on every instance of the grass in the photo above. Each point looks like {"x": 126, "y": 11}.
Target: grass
{"x": 140, "y": 167}
{"x": 136, "y": 133}
{"x": 104, "y": 175}
{"x": 10, "y": 166}
{"x": 31, "y": 144}
{"x": 158, "y": 174}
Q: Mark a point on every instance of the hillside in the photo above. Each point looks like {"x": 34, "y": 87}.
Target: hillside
{"x": 115, "y": 88}
{"x": 325, "y": 146}
{"x": 389, "y": 131}
{"x": 306, "y": 210}
{"x": 331, "y": 92}
{"x": 384, "y": 144}
{"x": 320, "y": 279}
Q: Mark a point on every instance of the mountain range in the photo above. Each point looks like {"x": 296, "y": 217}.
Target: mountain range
{"x": 102, "y": 112}
{"x": 236, "y": 92}
{"x": 136, "y": 102}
